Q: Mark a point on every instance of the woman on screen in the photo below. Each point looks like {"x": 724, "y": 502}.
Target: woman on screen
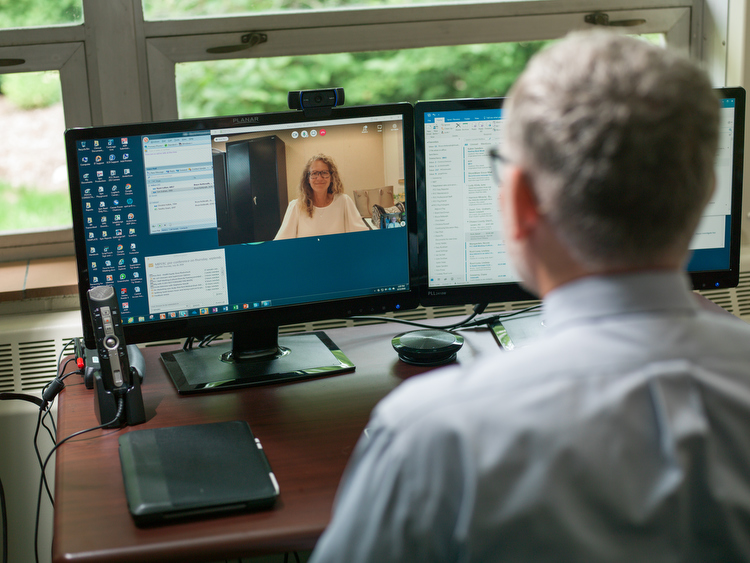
{"x": 322, "y": 207}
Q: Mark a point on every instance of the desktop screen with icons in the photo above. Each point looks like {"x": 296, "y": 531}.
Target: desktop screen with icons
{"x": 184, "y": 220}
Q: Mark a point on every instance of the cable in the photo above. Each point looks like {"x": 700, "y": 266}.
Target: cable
{"x": 466, "y": 323}
{"x": 501, "y": 316}
{"x": 39, "y": 456}
{"x": 21, "y": 397}
{"x": 49, "y": 393}
{"x": 62, "y": 353}
{"x": 478, "y": 309}
{"x": 208, "y": 339}
{"x": 118, "y": 415}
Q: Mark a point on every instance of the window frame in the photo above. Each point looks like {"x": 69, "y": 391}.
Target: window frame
{"x": 98, "y": 89}
{"x": 61, "y": 49}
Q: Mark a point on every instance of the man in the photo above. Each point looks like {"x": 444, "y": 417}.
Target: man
{"x": 624, "y": 433}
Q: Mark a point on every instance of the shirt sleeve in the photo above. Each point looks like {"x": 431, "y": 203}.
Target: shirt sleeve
{"x": 288, "y": 227}
{"x": 400, "y": 500}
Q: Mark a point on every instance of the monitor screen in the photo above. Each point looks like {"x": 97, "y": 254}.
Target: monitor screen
{"x": 200, "y": 228}
{"x": 462, "y": 255}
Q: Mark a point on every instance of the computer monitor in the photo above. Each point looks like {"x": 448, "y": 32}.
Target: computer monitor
{"x": 180, "y": 218}
{"x": 462, "y": 255}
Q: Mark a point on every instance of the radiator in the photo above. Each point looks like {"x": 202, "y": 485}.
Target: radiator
{"x": 31, "y": 344}
{"x": 29, "y": 349}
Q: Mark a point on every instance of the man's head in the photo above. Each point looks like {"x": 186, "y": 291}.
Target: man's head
{"x": 616, "y": 139}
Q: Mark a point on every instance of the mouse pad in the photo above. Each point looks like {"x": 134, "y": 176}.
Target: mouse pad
{"x": 195, "y": 471}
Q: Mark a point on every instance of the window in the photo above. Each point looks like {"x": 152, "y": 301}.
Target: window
{"x": 135, "y": 60}
{"x": 33, "y": 175}
{"x": 231, "y": 86}
{"x": 26, "y": 13}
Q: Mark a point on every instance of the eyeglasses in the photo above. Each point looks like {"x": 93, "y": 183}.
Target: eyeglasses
{"x": 497, "y": 161}
{"x": 325, "y": 175}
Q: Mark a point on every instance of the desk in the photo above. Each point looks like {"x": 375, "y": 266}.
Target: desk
{"x": 308, "y": 429}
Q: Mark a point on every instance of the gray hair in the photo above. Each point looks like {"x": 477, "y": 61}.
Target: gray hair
{"x": 619, "y": 138}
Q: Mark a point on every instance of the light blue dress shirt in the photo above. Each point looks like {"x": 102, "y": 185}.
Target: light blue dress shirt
{"x": 623, "y": 435}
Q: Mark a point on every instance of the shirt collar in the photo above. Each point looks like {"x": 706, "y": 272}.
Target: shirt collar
{"x": 598, "y": 296}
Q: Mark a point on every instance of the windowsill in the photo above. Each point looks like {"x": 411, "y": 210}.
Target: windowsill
{"x": 38, "y": 284}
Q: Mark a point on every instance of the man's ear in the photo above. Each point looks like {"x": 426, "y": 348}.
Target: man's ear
{"x": 521, "y": 203}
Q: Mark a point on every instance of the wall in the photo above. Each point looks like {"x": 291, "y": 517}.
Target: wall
{"x": 363, "y": 158}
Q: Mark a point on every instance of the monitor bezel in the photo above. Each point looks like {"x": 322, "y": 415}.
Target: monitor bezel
{"x": 272, "y": 317}
{"x": 464, "y": 294}
{"x": 730, "y": 277}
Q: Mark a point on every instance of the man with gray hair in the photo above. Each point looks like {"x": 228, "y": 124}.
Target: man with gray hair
{"x": 623, "y": 433}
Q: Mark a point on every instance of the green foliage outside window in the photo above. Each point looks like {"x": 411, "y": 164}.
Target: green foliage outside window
{"x": 256, "y": 85}
{"x": 26, "y": 13}
{"x": 177, "y": 9}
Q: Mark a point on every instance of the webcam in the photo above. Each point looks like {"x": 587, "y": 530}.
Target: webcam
{"x": 316, "y": 102}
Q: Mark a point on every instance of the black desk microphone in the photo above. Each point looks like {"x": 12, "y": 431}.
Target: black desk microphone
{"x": 115, "y": 378}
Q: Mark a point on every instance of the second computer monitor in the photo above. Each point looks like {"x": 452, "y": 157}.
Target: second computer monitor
{"x": 462, "y": 253}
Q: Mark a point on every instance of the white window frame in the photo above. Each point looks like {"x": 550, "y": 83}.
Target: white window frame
{"x": 118, "y": 68}
{"x": 169, "y": 43}
{"x": 60, "y": 49}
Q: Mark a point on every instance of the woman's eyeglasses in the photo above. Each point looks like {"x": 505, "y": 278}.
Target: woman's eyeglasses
{"x": 325, "y": 175}
{"x": 497, "y": 161}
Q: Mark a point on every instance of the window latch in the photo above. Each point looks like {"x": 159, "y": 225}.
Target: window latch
{"x": 247, "y": 41}
{"x": 600, "y": 18}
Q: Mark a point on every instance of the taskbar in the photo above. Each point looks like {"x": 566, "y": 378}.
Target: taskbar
{"x": 253, "y": 305}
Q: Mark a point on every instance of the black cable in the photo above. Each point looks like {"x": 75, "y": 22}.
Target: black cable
{"x": 49, "y": 392}
{"x": 53, "y": 431}
{"x": 4, "y": 516}
{"x": 466, "y": 323}
{"x": 208, "y": 339}
{"x": 62, "y": 353}
{"x": 21, "y": 397}
{"x": 118, "y": 415}
{"x": 501, "y": 316}
{"x": 39, "y": 456}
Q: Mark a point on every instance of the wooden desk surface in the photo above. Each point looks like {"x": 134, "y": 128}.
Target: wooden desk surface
{"x": 308, "y": 429}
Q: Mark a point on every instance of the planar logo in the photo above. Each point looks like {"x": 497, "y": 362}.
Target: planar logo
{"x": 253, "y": 119}
{"x": 432, "y": 292}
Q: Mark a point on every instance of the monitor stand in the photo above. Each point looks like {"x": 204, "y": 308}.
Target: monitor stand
{"x": 232, "y": 365}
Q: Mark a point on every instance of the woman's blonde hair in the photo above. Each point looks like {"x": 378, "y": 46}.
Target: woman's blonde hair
{"x": 305, "y": 189}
